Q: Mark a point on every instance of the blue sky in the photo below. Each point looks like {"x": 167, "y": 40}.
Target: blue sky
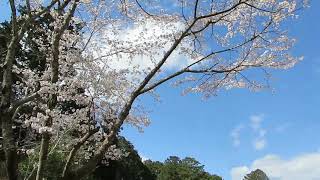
{"x": 189, "y": 126}
{"x": 289, "y": 117}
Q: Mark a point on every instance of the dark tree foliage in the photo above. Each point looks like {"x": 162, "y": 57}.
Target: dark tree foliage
{"x": 127, "y": 168}
{"x": 256, "y": 175}
{"x": 180, "y": 169}
{"x": 29, "y": 56}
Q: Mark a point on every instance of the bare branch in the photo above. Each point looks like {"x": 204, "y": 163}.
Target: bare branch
{"x": 220, "y": 12}
{"x": 260, "y": 9}
{"x": 143, "y": 9}
{"x": 195, "y": 9}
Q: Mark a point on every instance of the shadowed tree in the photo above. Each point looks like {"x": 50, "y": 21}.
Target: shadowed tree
{"x": 256, "y": 175}
{"x": 129, "y": 167}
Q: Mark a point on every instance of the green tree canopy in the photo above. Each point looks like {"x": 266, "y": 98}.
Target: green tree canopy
{"x": 180, "y": 169}
{"x": 256, "y": 175}
{"x": 129, "y": 167}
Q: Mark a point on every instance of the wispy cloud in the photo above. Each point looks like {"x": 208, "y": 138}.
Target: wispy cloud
{"x": 255, "y": 121}
{"x": 304, "y": 166}
{"x": 235, "y": 135}
{"x": 259, "y": 141}
{"x": 255, "y": 127}
{"x": 282, "y": 127}
{"x": 259, "y": 144}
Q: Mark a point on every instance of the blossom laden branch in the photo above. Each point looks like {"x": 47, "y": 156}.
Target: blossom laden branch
{"x": 23, "y": 101}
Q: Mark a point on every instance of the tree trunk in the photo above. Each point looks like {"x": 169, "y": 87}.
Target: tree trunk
{"x": 43, "y": 155}
{"x": 54, "y": 64}
{"x": 9, "y": 147}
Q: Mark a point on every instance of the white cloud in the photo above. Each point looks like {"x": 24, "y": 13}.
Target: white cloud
{"x": 262, "y": 132}
{"x": 282, "y": 127}
{"x": 235, "y": 135}
{"x": 255, "y": 121}
{"x": 238, "y": 173}
{"x": 259, "y": 141}
{"x": 259, "y": 144}
{"x": 302, "y": 167}
{"x": 148, "y": 40}
{"x": 144, "y": 158}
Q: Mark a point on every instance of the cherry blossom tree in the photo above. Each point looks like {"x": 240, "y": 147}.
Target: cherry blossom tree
{"x": 126, "y": 49}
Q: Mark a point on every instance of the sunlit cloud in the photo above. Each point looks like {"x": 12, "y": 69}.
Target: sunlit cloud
{"x": 304, "y": 166}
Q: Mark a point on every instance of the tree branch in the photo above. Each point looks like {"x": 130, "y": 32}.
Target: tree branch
{"x": 57, "y": 34}
{"x": 23, "y": 101}
{"x": 91, "y": 164}
{"x": 138, "y": 3}
{"x": 186, "y": 69}
{"x": 195, "y": 9}
{"x": 260, "y": 9}
{"x": 220, "y": 12}
{"x": 75, "y": 148}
